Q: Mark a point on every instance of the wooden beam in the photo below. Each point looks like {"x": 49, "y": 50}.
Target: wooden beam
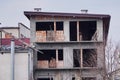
{"x": 56, "y": 57}
{"x": 54, "y": 26}
{"x": 81, "y": 57}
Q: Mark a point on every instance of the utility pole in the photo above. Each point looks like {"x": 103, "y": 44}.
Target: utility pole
{"x": 0, "y": 39}
{"x": 12, "y": 58}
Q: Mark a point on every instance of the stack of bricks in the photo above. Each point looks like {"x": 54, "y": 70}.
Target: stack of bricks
{"x": 52, "y": 63}
{"x": 41, "y": 36}
{"x": 42, "y": 64}
{"x": 8, "y": 35}
{"x": 59, "y": 36}
{"x": 60, "y": 64}
{"x": 50, "y": 35}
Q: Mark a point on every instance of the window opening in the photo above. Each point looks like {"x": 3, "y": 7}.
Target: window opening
{"x": 87, "y": 29}
{"x": 48, "y": 31}
{"x": 44, "y": 26}
{"x": 59, "y": 25}
{"x": 89, "y": 58}
{"x": 76, "y": 57}
{"x": 73, "y": 31}
{"x": 50, "y": 58}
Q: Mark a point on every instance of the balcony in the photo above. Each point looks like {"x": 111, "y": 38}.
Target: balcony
{"x": 50, "y": 36}
{"x": 75, "y": 31}
{"x": 42, "y": 64}
{"x": 50, "y": 59}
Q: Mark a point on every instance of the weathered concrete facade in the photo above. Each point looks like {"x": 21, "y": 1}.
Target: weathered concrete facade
{"x": 73, "y": 28}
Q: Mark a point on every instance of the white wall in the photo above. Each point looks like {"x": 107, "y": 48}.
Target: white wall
{"x": 21, "y": 66}
{"x": 24, "y": 30}
{"x": 14, "y": 32}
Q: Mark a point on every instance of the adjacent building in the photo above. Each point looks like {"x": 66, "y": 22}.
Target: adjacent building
{"x": 71, "y": 45}
{"x": 22, "y": 55}
{"x": 21, "y": 31}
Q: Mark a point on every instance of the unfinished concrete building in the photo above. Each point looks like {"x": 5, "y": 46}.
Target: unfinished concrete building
{"x": 71, "y": 45}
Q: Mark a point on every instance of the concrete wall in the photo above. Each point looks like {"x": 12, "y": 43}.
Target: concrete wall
{"x": 25, "y": 31}
{"x": 21, "y": 66}
{"x": 68, "y": 57}
{"x": 65, "y": 74}
{"x": 32, "y": 31}
{"x": 66, "y": 31}
{"x": 15, "y": 32}
{"x": 100, "y": 30}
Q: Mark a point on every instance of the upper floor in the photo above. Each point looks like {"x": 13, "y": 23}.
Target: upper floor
{"x": 67, "y": 27}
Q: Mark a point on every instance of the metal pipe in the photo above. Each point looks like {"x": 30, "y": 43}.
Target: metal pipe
{"x": 1, "y": 40}
{"x": 12, "y": 58}
{"x": 29, "y": 65}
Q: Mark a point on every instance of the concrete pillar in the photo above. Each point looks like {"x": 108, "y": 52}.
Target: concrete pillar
{"x": 33, "y": 31}
{"x": 68, "y": 57}
{"x": 100, "y": 57}
{"x": 100, "y": 30}
{"x": 67, "y": 75}
{"x": 66, "y": 31}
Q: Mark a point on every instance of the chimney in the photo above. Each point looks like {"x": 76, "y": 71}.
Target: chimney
{"x": 84, "y": 11}
{"x": 37, "y": 9}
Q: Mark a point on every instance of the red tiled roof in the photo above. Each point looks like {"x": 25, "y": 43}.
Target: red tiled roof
{"x": 6, "y": 41}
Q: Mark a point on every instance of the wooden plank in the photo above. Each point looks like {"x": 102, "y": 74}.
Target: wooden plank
{"x": 81, "y": 58}
{"x": 55, "y": 26}
{"x": 56, "y": 56}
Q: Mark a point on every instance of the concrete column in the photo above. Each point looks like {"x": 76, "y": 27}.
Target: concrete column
{"x": 68, "y": 57}
{"x": 67, "y": 75}
{"x": 66, "y": 31}
{"x": 100, "y": 30}
{"x": 100, "y": 57}
{"x": 33, "y": 30}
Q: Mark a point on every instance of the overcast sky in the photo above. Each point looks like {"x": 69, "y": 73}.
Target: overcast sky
{"x": 11, "y": 11}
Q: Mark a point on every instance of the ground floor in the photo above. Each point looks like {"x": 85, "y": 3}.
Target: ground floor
{"x": 68, "y": 74}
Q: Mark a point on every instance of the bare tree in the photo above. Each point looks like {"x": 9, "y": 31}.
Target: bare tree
{"x": 112, "y": 56}
{"x": 111, "y": 62}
